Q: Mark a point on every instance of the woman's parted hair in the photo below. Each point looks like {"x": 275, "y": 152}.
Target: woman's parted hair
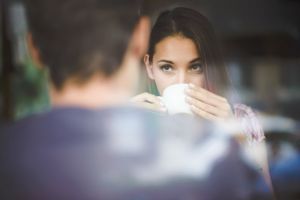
{"x": 191, "y": 24}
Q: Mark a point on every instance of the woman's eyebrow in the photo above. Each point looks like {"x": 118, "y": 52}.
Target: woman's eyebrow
{"x": 195, "y": 60}
{"x": 167, "y": 61}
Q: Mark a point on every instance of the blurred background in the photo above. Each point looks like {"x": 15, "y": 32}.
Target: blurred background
{"x": 261, "y": 44}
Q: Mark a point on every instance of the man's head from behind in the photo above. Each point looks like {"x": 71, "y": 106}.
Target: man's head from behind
{"x": 80, "y": 39}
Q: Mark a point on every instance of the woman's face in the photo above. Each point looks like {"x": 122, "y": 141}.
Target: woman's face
{"x": 175, "y": 60}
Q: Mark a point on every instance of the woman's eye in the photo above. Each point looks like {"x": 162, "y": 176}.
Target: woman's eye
{"x": 166, "y": 68}
{"x": 196, "y": 68}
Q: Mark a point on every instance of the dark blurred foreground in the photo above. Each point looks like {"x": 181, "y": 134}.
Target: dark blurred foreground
{"x": 75, "y": 153}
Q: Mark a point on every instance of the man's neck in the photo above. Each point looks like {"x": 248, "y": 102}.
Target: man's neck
{"x": 97, "y": 93}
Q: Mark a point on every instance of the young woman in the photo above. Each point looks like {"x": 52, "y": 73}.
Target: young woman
{"x": 183, "y": 49}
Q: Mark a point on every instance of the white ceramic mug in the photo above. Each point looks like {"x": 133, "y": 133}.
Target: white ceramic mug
{"x": 174, "y": 99}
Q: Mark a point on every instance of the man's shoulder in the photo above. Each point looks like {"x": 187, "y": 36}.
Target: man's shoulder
{"x": 75, "y": 119}
{"x": 126, "y": 141}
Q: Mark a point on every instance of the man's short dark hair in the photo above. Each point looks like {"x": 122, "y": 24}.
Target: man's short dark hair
{"x": 79, "y": 38}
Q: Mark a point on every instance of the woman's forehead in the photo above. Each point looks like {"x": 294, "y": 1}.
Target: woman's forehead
{"x": 176, "y": 48}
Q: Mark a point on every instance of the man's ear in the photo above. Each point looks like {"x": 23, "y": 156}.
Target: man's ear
{"x": 33, "y": 51}
{"x": 140, "y": 37}
{"x": 149, "y": 67}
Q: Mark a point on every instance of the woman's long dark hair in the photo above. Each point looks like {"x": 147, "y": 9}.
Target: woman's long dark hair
{"x": 191, "y": 24}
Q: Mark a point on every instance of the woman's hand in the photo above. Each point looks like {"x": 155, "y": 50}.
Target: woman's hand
{"x": 149, "y": 101}
{"x": 207, "y": 104}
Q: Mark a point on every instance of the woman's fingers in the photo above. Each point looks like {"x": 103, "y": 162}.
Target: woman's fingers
{"x": 148, "y": 101}
{"x": 145, "y": 97}
{"x": 151, "y": 106}
{"x": 208, "y": 103}
{"x": 207, "y": 96}
{"x": 203, "y": 113}
{"x": 207, "y": 108}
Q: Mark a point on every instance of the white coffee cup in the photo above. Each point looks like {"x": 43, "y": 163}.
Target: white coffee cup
{"x": 173, "y": 98}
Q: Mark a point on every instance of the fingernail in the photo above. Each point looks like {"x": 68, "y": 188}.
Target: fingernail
{"x": 162, "y": 104}
{"x": 161, "y": 101}
{"x": 191, "y": 85}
